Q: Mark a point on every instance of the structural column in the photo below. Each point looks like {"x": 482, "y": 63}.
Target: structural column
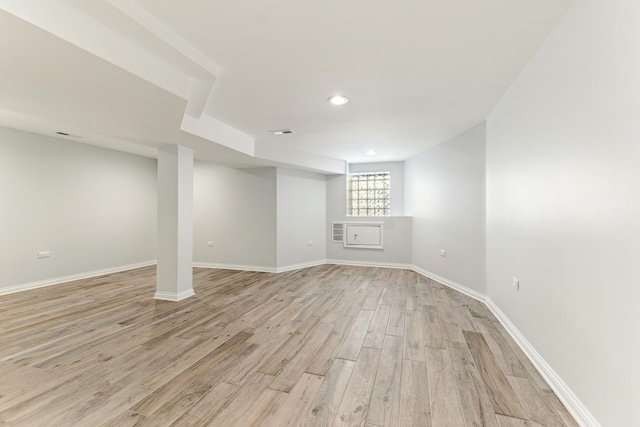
{"x": 175, "y": 223}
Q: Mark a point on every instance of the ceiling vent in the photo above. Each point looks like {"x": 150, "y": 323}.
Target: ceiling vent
{"x": 67, "y": 134}
{"x": 282, "y": 132}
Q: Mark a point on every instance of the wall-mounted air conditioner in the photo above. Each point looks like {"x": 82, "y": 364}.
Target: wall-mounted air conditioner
{"x": 366, "y": 235}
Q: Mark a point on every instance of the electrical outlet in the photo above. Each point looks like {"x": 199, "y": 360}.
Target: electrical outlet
{"x": 44, "y": 254}
{"x": 210, "y": 243}
{"x": 310, "y": 243}
{"x": 443, "y": 253}
{"x": 516, "y": 283}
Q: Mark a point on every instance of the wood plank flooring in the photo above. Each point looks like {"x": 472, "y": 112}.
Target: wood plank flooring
{"x": 322, "y": 346}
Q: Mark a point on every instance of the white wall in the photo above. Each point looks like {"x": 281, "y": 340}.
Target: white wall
{"x": 445, "y": 192}
{"x": 236, "y": 210}
{"x": 302, "y": 212}
{"x": 396, "y": 178}
{"x": 563, "y": 205}
{"x": 94, "y": 209}
{"x": 397, "y": 230}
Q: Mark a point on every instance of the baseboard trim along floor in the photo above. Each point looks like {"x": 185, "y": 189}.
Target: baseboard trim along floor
{"x": 562, "y": 390}
{"x": 72, "y": 277}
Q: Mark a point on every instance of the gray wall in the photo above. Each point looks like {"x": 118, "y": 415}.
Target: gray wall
{"x": 563, "y": 205}
{"x": 236, "y": 210}
{"x": 445, "y": 192}
{"x": 302, "y": 213}
{"x": 397, "y": 229}
{"x": 94, "y": 209}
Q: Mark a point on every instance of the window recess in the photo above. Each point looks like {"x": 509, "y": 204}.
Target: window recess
{"x": 369, "y": 194}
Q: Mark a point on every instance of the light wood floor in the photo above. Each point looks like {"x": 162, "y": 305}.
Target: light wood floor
{"x": 322, "y": 346}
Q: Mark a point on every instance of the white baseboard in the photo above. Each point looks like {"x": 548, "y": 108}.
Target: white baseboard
{"x": 239, "y": 267}
{"x": 369, "y": 264}
{"x": 580, "y": 413}
{"x": 172, "y": 296}
{"x": 258, "y": 268}
{"x": 72, "y": 277}
{"x": 450, "y": 283}
{"x": 299, "y": 266}
{"x": 577, "y": 409}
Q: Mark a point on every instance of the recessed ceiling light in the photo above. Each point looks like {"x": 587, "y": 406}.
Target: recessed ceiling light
{"x": 338, "y": 100}
{"x": 282, "y": 132}
{"x": 372, "y": 153}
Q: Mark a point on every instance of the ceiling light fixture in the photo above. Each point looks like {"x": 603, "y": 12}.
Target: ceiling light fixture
{"x": 282, "y": 132}
{"x": 372, "y": 153}
{"x": 338, "y": 100}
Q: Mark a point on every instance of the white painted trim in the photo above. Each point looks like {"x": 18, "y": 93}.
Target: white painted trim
{"x": 369, "y": 264}
{"x": 72, "y": 277}
{"x": 263, "y": 269}
{"x": 240, "y": 267}
{"x": 577, "y": 409}
{"x": 450, "y": 283}
{"x": 171, "y": 296}
{"x": 293, "y": 267}
{"x": 573, "y": 404}
{"x": 258, "y": 268}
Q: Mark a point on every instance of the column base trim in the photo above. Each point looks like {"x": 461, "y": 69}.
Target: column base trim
{"x": 171, "y": 296}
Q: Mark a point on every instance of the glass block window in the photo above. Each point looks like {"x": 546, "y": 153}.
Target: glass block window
{"x": 369, "y": 194}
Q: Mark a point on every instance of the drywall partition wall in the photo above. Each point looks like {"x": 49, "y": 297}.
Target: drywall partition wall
{"x": 234, "y": 210}
{"x": 302, "y": 212}
{"x": 397, "y": 231}
{"x": 396, "y": 177}
{"x": 445, "y": 193}
{"x": 563, "y": 205}
{"x": 93, "y": 209}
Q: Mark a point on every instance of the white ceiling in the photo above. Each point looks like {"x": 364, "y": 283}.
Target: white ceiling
{"x": 118, "y": 73}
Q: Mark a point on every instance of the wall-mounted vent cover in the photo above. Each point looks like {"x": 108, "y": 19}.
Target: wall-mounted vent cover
{"x": 366, "y": 235}
{"x": 337, "y": 232}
